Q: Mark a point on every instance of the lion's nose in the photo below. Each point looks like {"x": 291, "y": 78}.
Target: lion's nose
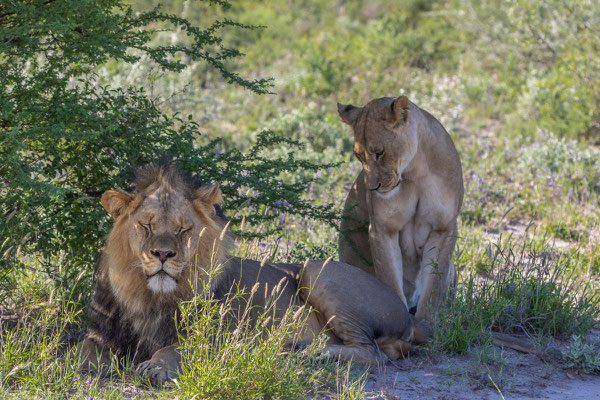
{"x": 162, "y": 255}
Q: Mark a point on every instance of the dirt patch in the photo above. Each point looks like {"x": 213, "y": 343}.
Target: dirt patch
{"x": 518, "y": 376}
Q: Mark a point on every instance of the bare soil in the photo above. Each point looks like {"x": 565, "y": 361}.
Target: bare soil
{"x": 524, "y": 376}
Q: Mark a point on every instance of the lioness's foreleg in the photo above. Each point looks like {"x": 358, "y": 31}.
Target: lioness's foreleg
{"x": 436, "y": 273}
{"x": 164, "y": 365}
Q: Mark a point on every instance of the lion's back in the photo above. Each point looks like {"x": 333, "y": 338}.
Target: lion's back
{"x": 240, "y": 277}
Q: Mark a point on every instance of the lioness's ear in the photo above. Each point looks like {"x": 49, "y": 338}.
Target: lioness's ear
{"x": 209, "y": 194}
{"x": 349, "y": 113}
{"x": 400, "y": 109}
{"x": 115, "y": 202}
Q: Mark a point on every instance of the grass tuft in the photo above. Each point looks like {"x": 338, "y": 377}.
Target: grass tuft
{"x": 532, "y": 290}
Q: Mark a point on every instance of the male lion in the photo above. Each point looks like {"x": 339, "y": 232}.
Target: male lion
{"x": 167, "y": 234}
{"x": 410, "y": 191}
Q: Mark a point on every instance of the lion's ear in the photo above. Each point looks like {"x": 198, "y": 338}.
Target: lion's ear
{"x": 207, "y": 198}
{"x": 115, "y": 202}
{"x": 209, "y": 194}
{"x": 400, "y": 108}
{"x": 349, "y": 113}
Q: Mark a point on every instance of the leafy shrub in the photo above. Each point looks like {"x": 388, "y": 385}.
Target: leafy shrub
{"x": 583, "y": 354}
{"x": 325, "y": 130}
{"x": 556, "y": 161}
{"x": 543, "y": 53}
{"x": 301, "y": 253}
{"x": 65, "y": 138}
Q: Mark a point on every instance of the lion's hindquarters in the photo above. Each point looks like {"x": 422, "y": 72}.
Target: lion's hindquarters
{"x": 357, "y": 308}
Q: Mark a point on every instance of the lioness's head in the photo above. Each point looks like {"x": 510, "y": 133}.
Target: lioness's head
{"x": 165, "y": 227}
{"x": 384, "y": 141}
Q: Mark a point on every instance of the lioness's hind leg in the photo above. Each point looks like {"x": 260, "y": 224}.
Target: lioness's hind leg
{"x": 436, "y": 273}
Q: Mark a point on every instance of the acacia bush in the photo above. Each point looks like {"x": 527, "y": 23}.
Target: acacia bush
{"x": 65, "y": 138}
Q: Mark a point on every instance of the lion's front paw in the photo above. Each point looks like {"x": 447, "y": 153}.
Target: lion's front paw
{"x": 155, "y": 372}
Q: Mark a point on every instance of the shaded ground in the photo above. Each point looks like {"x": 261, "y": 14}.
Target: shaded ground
{"x": 523, "y": 376}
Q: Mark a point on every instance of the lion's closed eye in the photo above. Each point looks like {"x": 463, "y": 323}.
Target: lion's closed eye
{"x": 146, "y": 226}
{"x": 184, "y": 230}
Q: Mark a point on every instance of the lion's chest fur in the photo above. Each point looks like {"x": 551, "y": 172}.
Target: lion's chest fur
{"x": 417, "y": 207}
{"x": 155, "y": 328}
{"x": 135, "y": 332}
{"x": 415, "y": 211}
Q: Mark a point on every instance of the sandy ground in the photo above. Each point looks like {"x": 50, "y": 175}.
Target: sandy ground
{"x": 524, "y": 376}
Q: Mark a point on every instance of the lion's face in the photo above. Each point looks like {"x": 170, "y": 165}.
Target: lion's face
{"x": 163, "y": 230}
{"x": 163, "y": 234}
{"x": 383, "y": 140}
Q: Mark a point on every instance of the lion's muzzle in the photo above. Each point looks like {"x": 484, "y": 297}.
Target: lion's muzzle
{"x": 163, "y": 255}
{"x": 161, "y": 282}
{"x": 161, "y": 264}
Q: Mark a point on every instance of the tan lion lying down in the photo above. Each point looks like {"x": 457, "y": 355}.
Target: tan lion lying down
{"x": 165, "y": 235}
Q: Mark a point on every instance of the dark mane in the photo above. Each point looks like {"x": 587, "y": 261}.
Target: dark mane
{"x": 166, "y": 172}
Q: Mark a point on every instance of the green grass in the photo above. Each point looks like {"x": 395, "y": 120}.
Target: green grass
{"x": 528, "y": 289}
{"x": 39, "y": 356}
{"x": 255, "y": 360}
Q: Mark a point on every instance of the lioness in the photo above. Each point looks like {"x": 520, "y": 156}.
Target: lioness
{"x": 410, "y": 191}
{"x": 167, "y": 234}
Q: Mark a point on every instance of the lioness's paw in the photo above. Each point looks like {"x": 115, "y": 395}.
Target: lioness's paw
{"x": 154, "y": 372}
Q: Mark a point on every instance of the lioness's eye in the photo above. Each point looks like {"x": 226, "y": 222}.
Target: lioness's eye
{"x": 378, "y": 155}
